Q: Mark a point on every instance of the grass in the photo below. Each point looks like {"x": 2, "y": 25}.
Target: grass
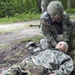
{"x": 20, "y": 17}
{"x": 4, "y": 45}
{"x": 26, "y": 40}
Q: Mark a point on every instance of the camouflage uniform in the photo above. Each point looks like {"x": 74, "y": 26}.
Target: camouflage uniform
{"x": 72, "y": 42}
{"x": 44, "y": 4}
{"x": 53, "y": 30}
{"x": 45, "y": 62}
{"x": 72, "y": 39}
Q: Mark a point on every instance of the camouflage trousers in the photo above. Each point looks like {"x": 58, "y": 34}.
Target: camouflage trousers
{"x": 26, "y": 67}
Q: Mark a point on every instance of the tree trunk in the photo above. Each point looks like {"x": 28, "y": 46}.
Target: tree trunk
{"x": 39, "y": 4}
{"x": 69, "y": 4}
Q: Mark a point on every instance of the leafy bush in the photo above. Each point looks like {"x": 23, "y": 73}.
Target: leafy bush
{"x": 71, "y": 10}
{"x": 20, "y": 17}
{"x": 11, "y": 7}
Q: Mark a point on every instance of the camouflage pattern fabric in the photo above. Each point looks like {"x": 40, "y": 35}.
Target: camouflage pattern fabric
{"x": 45, "y": 62}
{"x": 73, "y": 72}
{"x": 26, "y": 67}
{"x": 72, "y": 42}
{"x": 30, "y": 67}
{"x": 64, "y": 31}
{"x": 54, "y": 60}
{"x": 44, "y": 4}
{"x": 72, "y": 39}
{"x": 53, "y": 28}
{"x": 67, "y": 27}
{"x": 54, "y": 8}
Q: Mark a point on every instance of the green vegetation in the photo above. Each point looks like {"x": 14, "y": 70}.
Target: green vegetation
{"x": 20, "y": 17}
{"x": 5, "y": 45}
{"x": 11, "y": 7}
{"x": 18, "y": 10}
{"x": 22, "y": 10}
{"x": 34, "y": 39}
{"x": 71, "y": 11}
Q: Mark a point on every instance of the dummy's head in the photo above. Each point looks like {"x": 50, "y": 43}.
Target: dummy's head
{"x": 63, "y": 46}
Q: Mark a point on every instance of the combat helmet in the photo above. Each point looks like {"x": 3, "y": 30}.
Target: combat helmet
{"x": 54, "y": 8}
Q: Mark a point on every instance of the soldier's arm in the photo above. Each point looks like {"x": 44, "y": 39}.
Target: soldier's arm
{"x": 46, "y": 30}
{"x": 67, "y": 25}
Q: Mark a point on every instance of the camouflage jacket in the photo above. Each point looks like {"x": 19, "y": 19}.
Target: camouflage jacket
{"x": 51, "y": 29}
{"x": 54, "y": 60}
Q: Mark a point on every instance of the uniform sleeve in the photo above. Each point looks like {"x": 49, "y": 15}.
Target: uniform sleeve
{"x": 46, "y": 30}
{"x": 67, "y": 25}
{"x": 66, "y": 67}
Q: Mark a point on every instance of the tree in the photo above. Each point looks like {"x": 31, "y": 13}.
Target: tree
{"x": 69, "y": 4}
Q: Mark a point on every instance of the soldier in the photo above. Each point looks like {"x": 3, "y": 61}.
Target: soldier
{"x": 44, "y": 4}
{"x": 48, "y": 62}
{"x": 72, "y": 38}
{"x": 55, "y": 22}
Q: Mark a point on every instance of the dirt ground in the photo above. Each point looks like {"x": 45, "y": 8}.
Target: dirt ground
{"x": 12, "y": 46}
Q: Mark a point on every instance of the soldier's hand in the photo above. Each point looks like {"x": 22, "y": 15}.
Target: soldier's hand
{"x": 44, "y": 22}
{"x": 0, "y": 74}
